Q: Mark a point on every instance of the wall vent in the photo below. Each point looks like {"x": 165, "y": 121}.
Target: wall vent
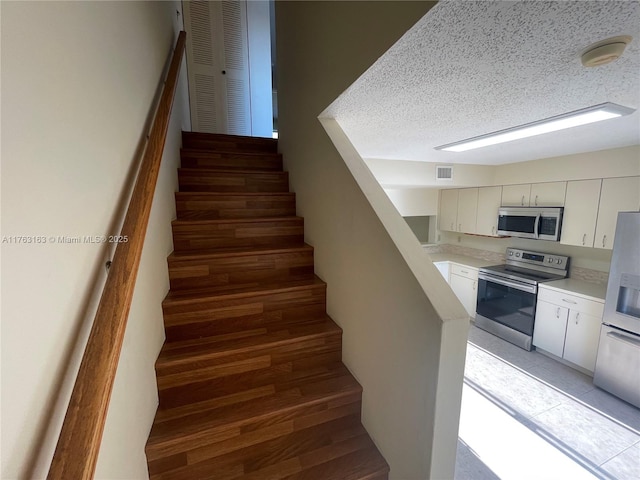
{"x": 444, "y": 173}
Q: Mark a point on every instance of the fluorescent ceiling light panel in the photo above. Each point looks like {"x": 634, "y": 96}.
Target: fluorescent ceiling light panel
{"x": 593, "y": 114}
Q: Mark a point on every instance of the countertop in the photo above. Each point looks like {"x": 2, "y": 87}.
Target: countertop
{"x": 587, "y": 290}
{"x": 461, "y": 259}
{"x": 590, "y": 291}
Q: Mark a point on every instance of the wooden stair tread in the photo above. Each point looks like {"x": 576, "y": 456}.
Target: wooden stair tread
{"x": 302, "y": 451}
{"x": 219, "y": 221}
{"x": 232, "y": 194}
{"x": 256, "y": 339}
{"x": 231, "y": 153}
{"x": 222, "y": 171}
{"x": 233, "y": 140}
{"x": 236, "y": 251}
{"x": 362, "y": 464}
{"x": 183, "y": 429}
{"x": 238, "y": 291}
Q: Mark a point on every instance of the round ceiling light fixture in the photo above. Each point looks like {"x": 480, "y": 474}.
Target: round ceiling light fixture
{"x": 604, "y": 51}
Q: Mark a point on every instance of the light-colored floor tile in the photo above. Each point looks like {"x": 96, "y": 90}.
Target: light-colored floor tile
{"x": 626, "y": 465}
{"x": 559, "y": 408}
{"x": 580, "y": 429}
{"x": 509, "y": 448}
{"x": 614, "y": 407}
{"x": 469, "y": 466}
{"x": 523, "y": 393}
{"x": 563, "y": 378}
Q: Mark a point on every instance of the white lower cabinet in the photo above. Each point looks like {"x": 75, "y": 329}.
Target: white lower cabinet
{"x": 583, "y": 335}
{"x": 464, "y": 283}
{"x": 550, "y": 327}
{"x": 568, "y": 326}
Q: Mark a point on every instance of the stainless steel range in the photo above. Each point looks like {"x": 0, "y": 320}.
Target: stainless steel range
{"x": 507, "y": 294}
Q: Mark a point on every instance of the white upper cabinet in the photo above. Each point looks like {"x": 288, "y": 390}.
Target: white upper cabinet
{"x": 617, "y": 195}
{"x": 516, "y": 195}
{"x": 550, "y": 194}
{"x": 448, "y": 220}
{"x": 467, "y": 210}
{"x": 580, "y": 213}
{"x": 489, "y": 199}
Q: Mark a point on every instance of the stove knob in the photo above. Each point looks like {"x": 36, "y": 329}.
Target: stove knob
{"x": 558, "y": 261}
{"x": 511, "y": 254}
{"x": 550, "y": 260}
{"x": 518, "y": 254}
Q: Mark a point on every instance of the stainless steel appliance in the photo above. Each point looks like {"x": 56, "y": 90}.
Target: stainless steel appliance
{"x": 507, "y": 294}
{"x": 618, "y": 362}
{"x": 530, "y": 222}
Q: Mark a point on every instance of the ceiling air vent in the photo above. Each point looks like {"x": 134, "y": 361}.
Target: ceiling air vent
{"x": 444, "y": 173}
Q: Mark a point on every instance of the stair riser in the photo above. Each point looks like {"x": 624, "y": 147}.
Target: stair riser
{"x": 240, "y": 270}
{"x": 194, "y": 207}
{"x": 184, "y": 322}
{"x": 215, "y": 379}
{"x": 228, "y": 143}
{"x": 230, "y": 161}
{"x": 211, "y": 181}
{"x": 199, "y": 236}
{"x": 257, "y": 448}
{"x": 253, "y": 431}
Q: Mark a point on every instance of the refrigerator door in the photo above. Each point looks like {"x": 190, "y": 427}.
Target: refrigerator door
{"x": 622, "y": 304}
{"x": 618, "y": 364}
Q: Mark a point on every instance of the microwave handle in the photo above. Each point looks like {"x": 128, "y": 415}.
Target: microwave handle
{"x": 536, "y": 226}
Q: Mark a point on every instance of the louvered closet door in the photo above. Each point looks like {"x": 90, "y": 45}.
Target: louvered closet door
{"x": 236, "y": 65}
{"x": 218, "y": 65}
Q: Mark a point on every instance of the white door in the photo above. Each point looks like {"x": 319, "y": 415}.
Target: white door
{"x": 488, "y": 205}
{"x": 466, "y": 290}
{"x": 580, "y": 213}
{"x": 218, "y": 66}
{"x": 550, "y": 327}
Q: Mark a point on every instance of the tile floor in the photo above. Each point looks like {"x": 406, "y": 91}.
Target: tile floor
{"x": 527, "y": 416}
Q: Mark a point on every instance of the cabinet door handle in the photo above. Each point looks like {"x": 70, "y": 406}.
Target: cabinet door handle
{"x": 569, "y": 301}
{"x": 493, "y": 230}
{"x": 474, "y": 286}
{"x": 522, "y": 201}
{"x": 464, "y": 271}
{"x": 584, "y": 238}
{"x": 536, "y": 201}
{"x": 577, "y": 317}
{"x": 604, "y": 241}
{"x": 558, "y": 312}
{"x": 459, "y": 227}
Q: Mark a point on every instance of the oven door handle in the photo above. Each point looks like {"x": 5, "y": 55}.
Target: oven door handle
{"x": 501, "y": 281}
{"x": 536, "y": 226}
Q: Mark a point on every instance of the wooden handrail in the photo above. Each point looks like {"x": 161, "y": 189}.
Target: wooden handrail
{"x": 77, "y": 450}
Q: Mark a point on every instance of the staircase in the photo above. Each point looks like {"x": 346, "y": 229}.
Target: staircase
{"x": 250, "y": 378}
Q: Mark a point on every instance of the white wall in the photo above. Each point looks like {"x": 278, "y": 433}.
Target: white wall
{"x": 414, "y": 202}
{"x": 617, "y": 162}
{"x": 404, "y": 173}
{"x": 78, "y": 82}
{"x": 259, "y": 26}
{"x": 376, "y": 287}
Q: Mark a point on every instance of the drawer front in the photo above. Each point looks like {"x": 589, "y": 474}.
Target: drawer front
{"x": 463, "y": 271}
{"x": 571, "y": 302}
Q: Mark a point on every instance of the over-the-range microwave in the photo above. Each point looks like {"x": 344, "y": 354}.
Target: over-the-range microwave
{"x": 530, "y": 222}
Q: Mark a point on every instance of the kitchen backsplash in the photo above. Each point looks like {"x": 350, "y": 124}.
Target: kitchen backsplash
{"x": 466, "y": 251}
{"x": 584, "y": 274}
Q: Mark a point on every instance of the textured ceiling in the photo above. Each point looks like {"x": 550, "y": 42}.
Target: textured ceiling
{"x": 470, "y": 68}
